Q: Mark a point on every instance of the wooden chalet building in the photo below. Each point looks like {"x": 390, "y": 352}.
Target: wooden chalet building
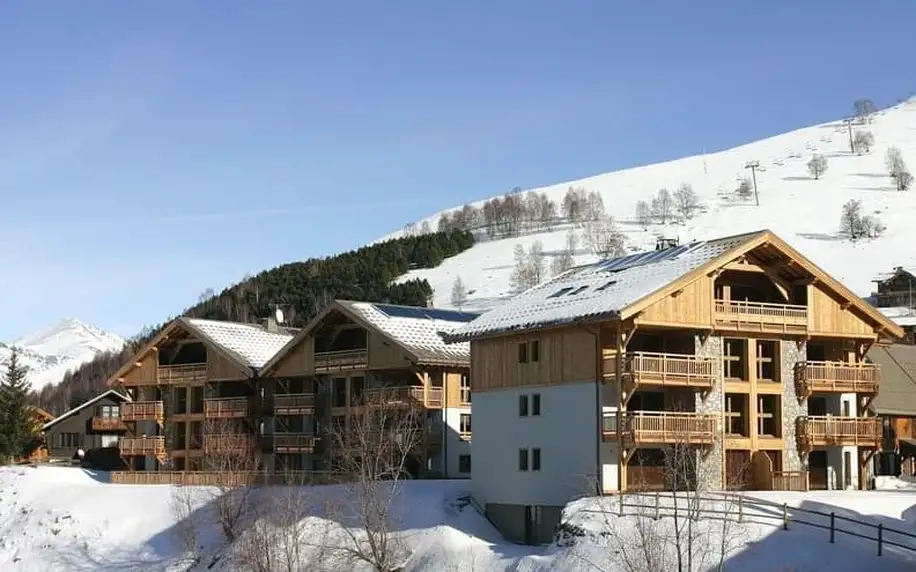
{"x": 201, "y": 389}
{"x": 739, "y": 350}
{"x": 896, "y": 289}
{"x": 896, "y": 407}
{"x": 354, "y": 353}
{"x": 94, "y": 424}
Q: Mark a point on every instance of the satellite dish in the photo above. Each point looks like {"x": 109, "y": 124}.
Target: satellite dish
{"x": 279, "y": 316}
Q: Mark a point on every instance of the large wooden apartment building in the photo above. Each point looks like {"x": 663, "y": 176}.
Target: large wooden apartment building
{"x": 739, "y": 349}
{"x": 201, "y": 388}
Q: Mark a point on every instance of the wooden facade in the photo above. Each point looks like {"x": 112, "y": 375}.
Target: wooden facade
{"x": 779, "y": 329}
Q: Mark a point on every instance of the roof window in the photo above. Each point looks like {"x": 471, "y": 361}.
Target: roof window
{"x": 606, "y": 285}
{"x": 560, "y": 292}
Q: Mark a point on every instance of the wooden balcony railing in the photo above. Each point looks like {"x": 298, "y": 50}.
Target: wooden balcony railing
{"x": 134, "y": 446}
{"x": 429, "y": 397}
{"x": 341, "y": 360}
{"x": 761, "y": 316}
{"x": 829, "y": 430}
{"x": 294, "y": 442}
{"x": 465, "y": 395}
{"x": 790, "y": 481}
{"x": 836, "y": 377}
{"x": 190, "y": 374}
{"x": 651, "y": 368}
{"x": 228, "y": 443}
{"x": 107, "y": 424}
{"x": 230, "y": 478}
{"x": 143, "y": 411}
{"x": 227, "y": 407}
{"x": 661, "y": 427}
{"x": 294, "y": 404}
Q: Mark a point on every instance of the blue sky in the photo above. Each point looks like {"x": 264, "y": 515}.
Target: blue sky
{"x": 150, "y": 150}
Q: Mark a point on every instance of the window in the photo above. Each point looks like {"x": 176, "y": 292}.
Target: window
{"x": 536, "y": 404}
{"x": 523, "y": 459}
{"x": 464, "y": 463}
{"x": 465, "y": 388}
{"x": 339, "y": 392}
{"x": 767, "y": 360}
{"x": 768, "y": 416}
{"x": 560, "y": 292}
{"x": 734, "y": 360}
{"x": 110, "y": 412}
{"x": 464, "y": 424}
{"x": 535, "y": 459}
{"x": 736, "y": 418}
{"x": 523, "y": 352}
{"x": 606, "y": 285}
{"x": 109, "y": 440}
{"x": 529, "y": 352}
{"x": 534, "y": 351}
{"x": 68, "y": 440}
{"x": 579, "y": 290}
{"x": 523, "y": 406}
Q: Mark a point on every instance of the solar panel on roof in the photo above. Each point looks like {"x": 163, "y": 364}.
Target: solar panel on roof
{"x": 642, "y": 258}
{"x": 417, "y": 313}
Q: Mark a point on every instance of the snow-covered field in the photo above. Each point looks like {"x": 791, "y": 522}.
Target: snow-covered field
{"x": 803, "y": 211}
{"x": 58, "y": 518}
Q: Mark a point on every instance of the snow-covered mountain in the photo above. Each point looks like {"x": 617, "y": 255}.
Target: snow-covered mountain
{"x": 51, "y": 352}
{"x": 804, "y": 211}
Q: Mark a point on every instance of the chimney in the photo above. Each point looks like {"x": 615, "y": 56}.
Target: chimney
{"x": 662, "y": 243}
{"x": 270, "y": 324}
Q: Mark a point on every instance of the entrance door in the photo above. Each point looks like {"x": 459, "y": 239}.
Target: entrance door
{"x": 817, "y": 470}
{"x": 847, "y": 469}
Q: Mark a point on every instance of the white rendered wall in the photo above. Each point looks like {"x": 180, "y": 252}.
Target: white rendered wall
{"x": 566, "y": 432}
{"x": 836, "y": 474}
{"x": 454, "y": 446}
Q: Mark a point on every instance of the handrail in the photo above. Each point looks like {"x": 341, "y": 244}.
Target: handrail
{"x": 763, "y": 311}
{"x": 837, "y": 376}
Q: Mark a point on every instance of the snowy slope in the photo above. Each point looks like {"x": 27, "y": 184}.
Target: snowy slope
{"x": 64, "y": 519}
{"x": 803, "y": 211}
{"x": 51, "y": 352}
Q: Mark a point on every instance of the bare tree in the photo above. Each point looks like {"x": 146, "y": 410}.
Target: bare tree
{"x": 864, "y": 109}
{"x": 863, "y": 141}
{"x": 529, "y": 267}
{"x": 744, "y": 189}
{"x": 565, "y": 260}
{"x": 410, "y": 229}
{"x": 536, "y": 260}
{"x": 541, "y": 210}
{"x": 643, "y": 214}
{"x": 374, "y": 447}
{"x": 817, "y": 166}
{"x": 230, "y": 456}
{"x": 603, "y": 238}
{"x": 425, "y": 227}
{"x": 183, "y": 504}
{"x": 574, "y": 202}
{"x": 686, "y": 200}
{"x": 855, "y": 224}
{"x": 594, "y": 206}
{"x": 663, "y": 206}
{"x": 897, "y": 169}
{"x": 459, "y": 293}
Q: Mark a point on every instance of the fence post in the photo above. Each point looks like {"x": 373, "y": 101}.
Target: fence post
{"x": 785, "y": 516}
{"x": 657, "y": 505}
{"x": 832, "y": 526}
{"x": 880, "y": 539}
{"x": 740, "y": 508}
{"x": 620, "y": 503}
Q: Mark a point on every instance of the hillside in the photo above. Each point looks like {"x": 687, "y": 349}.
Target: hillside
{"x": 65, "y": 519}
{"x": 50, "y": 353}
{"x": 804, "y": 211}
{"x": 301, "y": 289}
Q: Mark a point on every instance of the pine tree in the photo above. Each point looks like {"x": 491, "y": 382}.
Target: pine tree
{"x": 15, "y": 422}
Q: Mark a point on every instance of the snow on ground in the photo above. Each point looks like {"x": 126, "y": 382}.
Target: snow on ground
{"x": 803, "y": 211}
{"x": 66, "y": 519}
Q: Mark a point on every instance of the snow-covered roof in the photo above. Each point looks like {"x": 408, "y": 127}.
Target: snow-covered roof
{"x": 417, "y": 329}
{"x": 901, "y": 315}
{"x": 84, "y": 405}
{"x": 597, "y": 290}
{"x": 251, "y": 344}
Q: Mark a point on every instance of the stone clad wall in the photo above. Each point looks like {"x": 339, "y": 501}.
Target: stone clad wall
{"x": 711, "y": 468}
{"x": 791, "y": 353}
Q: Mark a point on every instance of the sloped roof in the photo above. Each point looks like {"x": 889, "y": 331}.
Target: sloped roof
{"x": 598, "y": 290}
{"x": 82, "y": 406}
{"x": 897, "y": 390}
{"x": 622, "y": 286}
{"x": 417, "y": 329}
{"x": 901, "y": 315}
{"x": 251, "y": 344}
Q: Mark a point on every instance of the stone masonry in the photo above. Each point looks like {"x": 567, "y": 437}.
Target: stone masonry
{"x": 791, "y": 353}
{"x": 710, "y": 467}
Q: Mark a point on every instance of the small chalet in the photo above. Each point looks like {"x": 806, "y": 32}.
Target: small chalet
{"x": 896, "y": 289}
{"x": 95, "y": 424}
{"x": 896, "y": 406}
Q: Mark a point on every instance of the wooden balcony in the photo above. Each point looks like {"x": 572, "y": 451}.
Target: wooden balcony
{"x": 107, "y": 424}
{"x": 294, "y": 404}
{"x": 294, "y": 442}
{"x": 789, "y": 481}
{"x": 660, "y": 369}
{"x": 829, "y": 430}
{"x": 227, "y": 407}
{"x": 428, "y": 397}
{"x": 143, "y": 411}
{"x": 761, "y": 317}
{"x": 836, "y": 377}
{"x": 661, "y": 427}
{"x": 228, "y": 443}
{"x": 142, "y": 446}
{"x": 188, "y": 374}
{"x": 341, "y": 360}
